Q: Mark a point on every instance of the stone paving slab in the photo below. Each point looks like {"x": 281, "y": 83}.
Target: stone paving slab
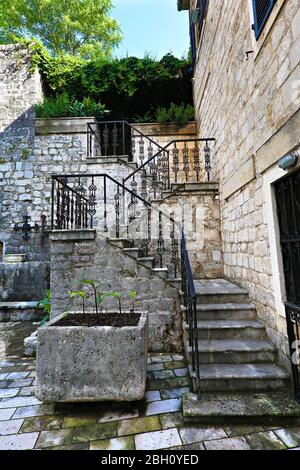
{"x": 231, "y": 443}
{"x": 138, "y": 425}
{"x": 153, "y": 424}
{"x": 157, "y": 440}
{"x": 10, "y": 427}
{"x": 289, "y": 436}
{"x": 19, "y": 441}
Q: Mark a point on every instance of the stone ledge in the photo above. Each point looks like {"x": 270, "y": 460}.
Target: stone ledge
{"x": 72, "y": 125}
{"x": 243, "y": 175}
{"x": 280, "y": 144}
{"x": 169, "y": 128}
{"x": 18, "y": 305}
{"x": 72, "y": 235}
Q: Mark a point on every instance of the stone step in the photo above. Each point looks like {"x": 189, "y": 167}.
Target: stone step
{"x": 147, "y": 261}
{"x": 175, "y": 282}
{"x": 236, "y": 351}
{"x": 225, "y": 311}
{"x": 121, "y": 242}
{"x": 229, "y": 329}
{"x": 163, "y": 272}
{"x": 134, "y": 252}
{"x": 241, "y": 408}
{"x": 241, "y": 377}
{"x": 219, "y": 291}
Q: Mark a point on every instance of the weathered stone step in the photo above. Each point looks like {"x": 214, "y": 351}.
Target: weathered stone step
{"x": 229, "y": 329}
{"x": 134, "y": 252}
{"x": 234, "y": 352}
{"x": 147, "y": 261}
{"x": 241, "y": 377}
{"x": 219, "y": 291}
{"x": 121, "y": 242}
{"x": 244, "y": 311}
{"x": 241, "y": 408}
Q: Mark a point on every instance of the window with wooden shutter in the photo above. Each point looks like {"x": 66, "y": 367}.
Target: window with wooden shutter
{"x": 262, "y": 10}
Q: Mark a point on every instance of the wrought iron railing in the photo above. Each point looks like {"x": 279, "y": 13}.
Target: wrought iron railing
{"x": 119, "y": 138}
{"x": 293, "y": 328}
{"x": 178, "y": 162}
{"x": 190, "y": 304}
{"x": 99, "y": 201}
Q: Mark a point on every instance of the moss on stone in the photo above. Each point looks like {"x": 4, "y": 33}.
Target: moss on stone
{"x": 138, "y": 425}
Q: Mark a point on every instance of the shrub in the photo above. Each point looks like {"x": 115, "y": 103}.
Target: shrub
{"x": 130, "y": 87}
{"x": 53, "y": 107}
{"x": 62, "y": 106}
{"x": 181, "y": 114}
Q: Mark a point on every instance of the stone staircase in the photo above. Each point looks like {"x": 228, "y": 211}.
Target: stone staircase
{"x": 234, "y": 352}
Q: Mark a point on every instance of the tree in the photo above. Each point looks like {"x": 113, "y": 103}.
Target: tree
{"x": 80, "y": 28}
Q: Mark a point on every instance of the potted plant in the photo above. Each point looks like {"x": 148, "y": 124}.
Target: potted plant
{"x": 93, "y": 356}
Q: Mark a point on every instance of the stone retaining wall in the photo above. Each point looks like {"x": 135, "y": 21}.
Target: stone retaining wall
{"x": 85, "y": 255}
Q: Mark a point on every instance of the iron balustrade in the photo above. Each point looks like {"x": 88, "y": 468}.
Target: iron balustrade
{"x": 98, "y": 200}
{"x": 190, "y": 304}
{"x": 293, "y": 328}
{"x": 119, "y": 138}
{"x": 178, "y": 162}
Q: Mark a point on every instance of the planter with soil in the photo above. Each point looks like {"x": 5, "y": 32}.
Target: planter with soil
{"x": 93, "y": 357}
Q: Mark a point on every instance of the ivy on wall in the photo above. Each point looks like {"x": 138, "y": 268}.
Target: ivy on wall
{"x": 130, "y": 88}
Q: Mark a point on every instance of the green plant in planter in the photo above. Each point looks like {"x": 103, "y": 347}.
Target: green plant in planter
{"x": 133, "y": 295}
{"x": 181, "y": 114}
{"x": 82, "y": 295}
{"x": 46, "y": 304}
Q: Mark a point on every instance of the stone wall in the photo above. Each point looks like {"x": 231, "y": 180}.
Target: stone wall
{"x": 251, "y": 107}
{"x": 85, "y": 255}
{"x": 198, "y": 210}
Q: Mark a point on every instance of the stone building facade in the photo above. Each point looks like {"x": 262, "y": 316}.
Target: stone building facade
{"x": 247, "y": 96}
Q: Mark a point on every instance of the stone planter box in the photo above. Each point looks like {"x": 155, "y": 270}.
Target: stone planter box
{"x": 82, "y": 364}
{"x": 155, "y": 129}
{"x": 69, "y": 125}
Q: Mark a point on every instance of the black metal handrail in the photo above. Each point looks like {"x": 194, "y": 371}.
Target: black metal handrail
{"x": 118, "y": 138}
{"x": 190, "y": 304}
{"x": 159, "y": 171}
{"x": 293, "y": 329}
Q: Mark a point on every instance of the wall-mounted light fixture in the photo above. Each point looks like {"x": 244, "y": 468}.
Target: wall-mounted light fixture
{"x": 288, "y": 161}
{"x": 195, "y": 15}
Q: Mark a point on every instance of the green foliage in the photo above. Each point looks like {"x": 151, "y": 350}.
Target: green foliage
{"x": 99, "y": 297}
{"x": 131, "y": 88}
{"x": 80, "y": 28}
{"x": 181, "y": 114}
{"x": 63, "y": 106}
{"x": 46, "y": 304}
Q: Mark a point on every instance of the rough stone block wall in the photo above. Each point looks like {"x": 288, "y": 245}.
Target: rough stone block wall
{"x": 246, "y": 105}
{"x": 73, "y": 260}
{"x": 199, "y": 212}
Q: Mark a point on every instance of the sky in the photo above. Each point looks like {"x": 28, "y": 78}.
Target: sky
{"x": 151, "y": 26}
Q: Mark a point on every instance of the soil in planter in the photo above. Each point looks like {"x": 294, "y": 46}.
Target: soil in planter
{"x": 118, "y": 320}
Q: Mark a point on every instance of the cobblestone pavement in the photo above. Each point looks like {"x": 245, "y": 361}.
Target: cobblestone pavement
{"x": 156, "y": 423}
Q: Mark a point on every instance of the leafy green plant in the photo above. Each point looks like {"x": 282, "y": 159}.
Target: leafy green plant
{"x": 53, "y": 107}
{"x": 133, "y": 295}
{"x": 94, "y": 286}
{"x": 147, "y": 117}
{"x": 180, "y": 114}
{"x": 45, "y": 303}
{"x": 63, "y": 106}
{"x": 129, "y": 87}
{"x": 116, "y": 295}
{"x": 82, "y": 295}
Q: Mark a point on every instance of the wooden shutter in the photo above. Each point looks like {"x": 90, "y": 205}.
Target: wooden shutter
{"x": 262, "y": 10}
